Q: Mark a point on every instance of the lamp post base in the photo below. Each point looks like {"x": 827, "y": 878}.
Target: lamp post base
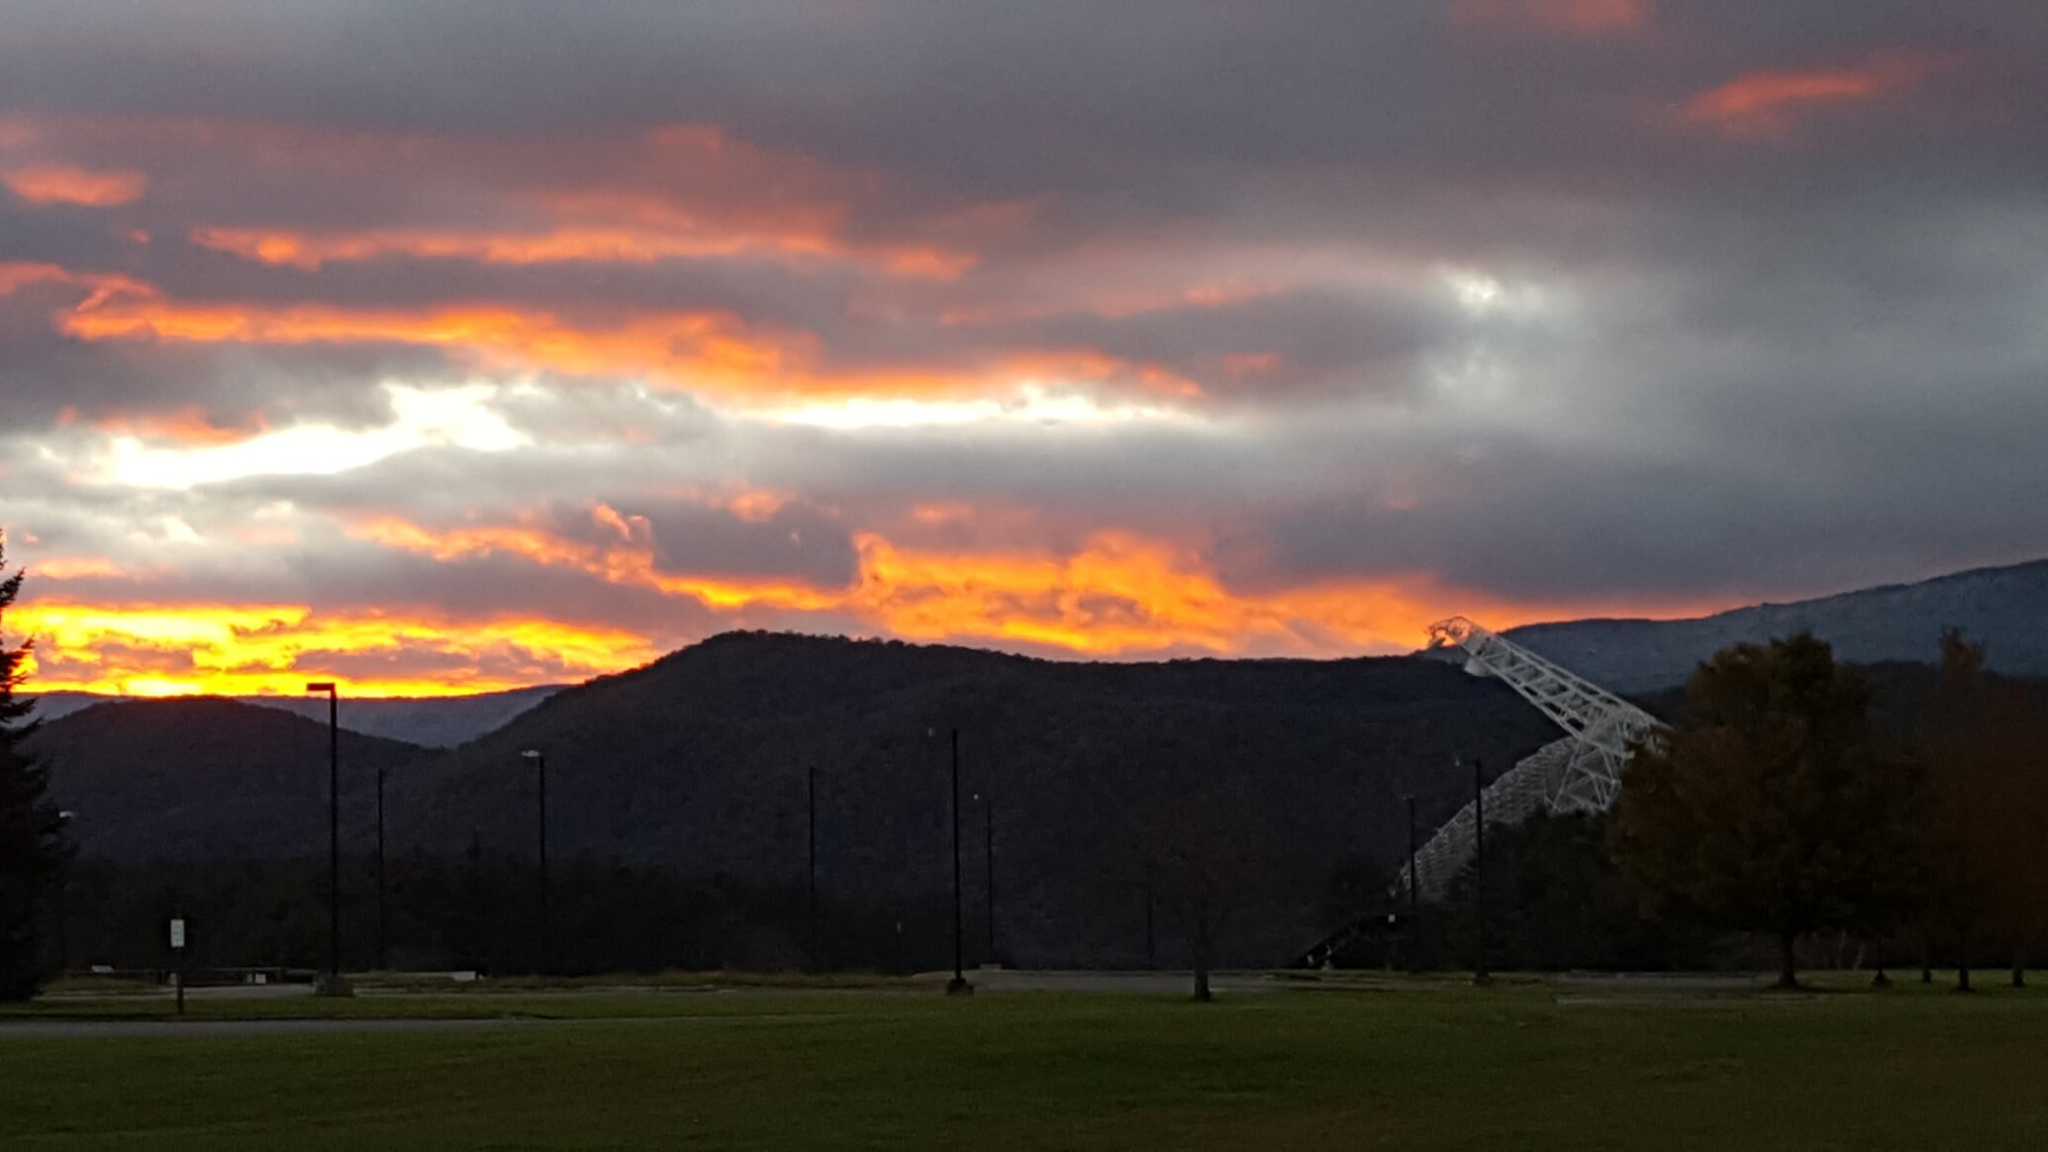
{"x": 335, "y": 986}
{"x": 958, "y": 986}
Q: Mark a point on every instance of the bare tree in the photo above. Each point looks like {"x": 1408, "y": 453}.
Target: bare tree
{"x": 1205, "y": 857}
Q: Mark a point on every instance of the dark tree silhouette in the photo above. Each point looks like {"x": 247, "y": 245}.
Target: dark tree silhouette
{"x": 30, "y": 829}
{"x": 1983, "y": 743}
{"x": 1770, "y": 810}
{"x": 1555, "y": 900}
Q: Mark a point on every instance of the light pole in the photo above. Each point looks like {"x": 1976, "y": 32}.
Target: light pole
{"x": 1480, "y": 975}
{"x": 988, "y": 866}
{"x": 811, "y": 861}
{"x": 64, "y": 820}
{"x": 958, "y": 985}
{"x": 540, "y": 762}
{"x": 477, "y": 925}
{"x": 1151, "y": 935}
{"x": 383, "y": 916}
{"x": 1414, "y": 888}
{"x": 333, "y": 832}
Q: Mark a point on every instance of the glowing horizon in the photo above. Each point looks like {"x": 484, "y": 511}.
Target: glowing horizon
{"x": 1121, "y": 598}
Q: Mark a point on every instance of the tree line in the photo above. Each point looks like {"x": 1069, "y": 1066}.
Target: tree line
{"x": 479, "y": 912}
{"x": 1782, "y": 806}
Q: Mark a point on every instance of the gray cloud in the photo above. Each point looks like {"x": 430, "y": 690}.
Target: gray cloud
{"x": 1772, "y": 357}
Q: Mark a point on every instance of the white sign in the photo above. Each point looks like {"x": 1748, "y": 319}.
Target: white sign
{"x": 178, "y": 933}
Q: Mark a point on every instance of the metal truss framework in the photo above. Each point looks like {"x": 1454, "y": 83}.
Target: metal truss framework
{"x": 1579, "y": 773}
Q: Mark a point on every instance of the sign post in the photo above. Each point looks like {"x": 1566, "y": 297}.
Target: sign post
{"x": 178, "y": 958}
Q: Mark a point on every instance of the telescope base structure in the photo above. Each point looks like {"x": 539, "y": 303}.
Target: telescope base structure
{"x": 1580, "y": 772}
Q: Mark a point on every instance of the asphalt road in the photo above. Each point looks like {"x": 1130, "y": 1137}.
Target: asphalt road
{"x": 134, "y": 1029}
{"x": 1022, "y": 980}
{"x": 991, "y": 981}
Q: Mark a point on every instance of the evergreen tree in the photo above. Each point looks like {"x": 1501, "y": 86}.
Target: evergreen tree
{"x": 30, "y": 829}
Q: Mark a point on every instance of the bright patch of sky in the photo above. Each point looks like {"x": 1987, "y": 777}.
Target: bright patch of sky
{"x": 1034, "y": 405}
{"x": 422, "y": 418}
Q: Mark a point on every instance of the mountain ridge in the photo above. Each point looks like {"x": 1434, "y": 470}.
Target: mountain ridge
{"x": 427, "y": 721}
{"x": 208, "y": 778}
{"x": 2006, "y": 607}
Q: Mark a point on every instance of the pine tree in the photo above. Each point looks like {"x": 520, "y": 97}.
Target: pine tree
{"x": 30, "y": 830}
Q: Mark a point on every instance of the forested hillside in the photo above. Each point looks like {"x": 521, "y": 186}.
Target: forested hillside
{"x": 698, "y": 765}
{"x": 206, "y": 778}
{"x": 430, "y": 722}
{"x": 685, "y": 783}
{"x": 700, "y": 762}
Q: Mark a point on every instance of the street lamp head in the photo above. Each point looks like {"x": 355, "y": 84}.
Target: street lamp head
{"x": 326, "y": 686}
{"x": 66, "y": 816}
{"x": 531, "y": 754}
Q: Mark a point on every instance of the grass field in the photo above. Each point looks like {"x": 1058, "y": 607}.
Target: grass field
{"x": 1523, "y": 1065}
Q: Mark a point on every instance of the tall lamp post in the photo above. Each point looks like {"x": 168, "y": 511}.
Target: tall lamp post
{"x": 1480, "y": 975}
{"x": 64, "y": 820}
{"x": 334, "y": 985}
{"x": 540, "y": 763}
{"x": 958, "y": 984}
{"x": 1414, "y": 890}
{"x": 811, "y": 862}
{"x": 383, "y": 916}
{"x": 988, "y": 866}
{"x": 1151, "y": 917}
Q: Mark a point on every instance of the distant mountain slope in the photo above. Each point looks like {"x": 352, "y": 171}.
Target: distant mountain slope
{"x": 428, "y": 721}
{"x": 2007, "y": 608}
{"x": 699, "y": 762}
{"x": 205, "y": 778}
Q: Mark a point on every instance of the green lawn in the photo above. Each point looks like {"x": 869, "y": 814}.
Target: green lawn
{"x": 1419, "y": 1067}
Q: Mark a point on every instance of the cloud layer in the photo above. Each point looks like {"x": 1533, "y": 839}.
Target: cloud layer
{"x": 494, "y": 344}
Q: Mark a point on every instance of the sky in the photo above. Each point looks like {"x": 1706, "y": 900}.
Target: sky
{"x": 458, "y": 347}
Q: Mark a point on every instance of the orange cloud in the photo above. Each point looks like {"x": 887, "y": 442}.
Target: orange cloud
{"x": 627, "y": 560}
{"x": 1578, "y": 16}
{"x": 1125, "y": 594}
{"x": 715, "y": 352}
{"x": 697, "y": 348}
{"x": 588, "y": 243}
{"x": 103, "y": 285}
{"x": 684, "y": 191}
{"x": 756, "y": 505}
{"x": 77, "y": 568}
{"x": 1119, "y": 594}
{"x": 188, "y": 426}
{"x": 170, "y": 650}
{"x": 1764, "y": 104}
{"x": 68, "y": 184}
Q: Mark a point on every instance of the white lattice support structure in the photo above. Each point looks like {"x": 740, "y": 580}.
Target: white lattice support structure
{"x": 1514, "y": 796}
{"x": 1580, "y": 773}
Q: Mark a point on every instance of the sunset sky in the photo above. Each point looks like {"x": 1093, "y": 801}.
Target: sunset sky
{"x": 452, "y": 347}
